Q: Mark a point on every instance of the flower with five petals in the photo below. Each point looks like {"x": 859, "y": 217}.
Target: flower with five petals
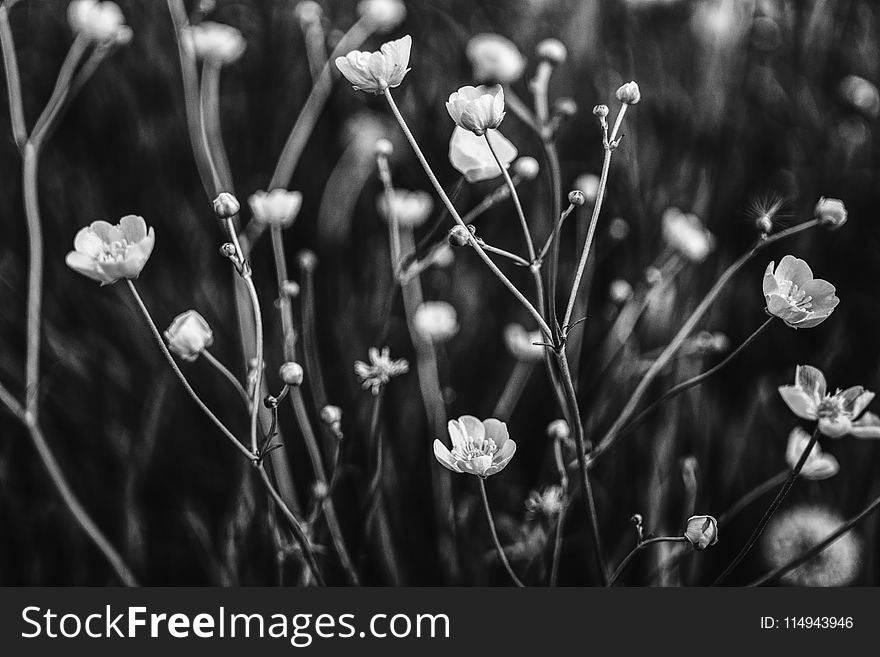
{"x": 106, "y": 253}
{"x": 477, "y": 109}
{"x": 479, "y": 447}
{"x": 377, "y": 71}
{"x": 794, "y": 296}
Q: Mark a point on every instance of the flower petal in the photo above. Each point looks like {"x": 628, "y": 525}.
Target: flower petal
{"x": 811, "y": 380}
{"x": 472, "y": 427}
{"x": 868, "y": 426}
{"x": 456, "y": 433}
{"x": 443, "y": 455}
{"x": 88, "y": 242}
{"x": 800, "y": 403}
{"x": 87, "y": 266}
{"x": 496, "y": 430}
{"x": 133, "y": 228}
{"x": 795, "y": 270}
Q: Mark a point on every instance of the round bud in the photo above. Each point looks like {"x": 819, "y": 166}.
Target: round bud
{"x": 226, "y": 205}
{"x": 629, "y": 93}
{"x": 291, "y": 373}
{"x": 576, "y": 197}
{"x": 384, "y": 147}
{"x": 227, "y": 250}
{"x": 331, "y": 414}
{"x": 831, "y": 212}
{"x": 307, "y": 260}
{"x": 526, "y": 168}
{"x": 565, "y": 107}
{"x": 270, "y": 402}
{"x": 600, "y": 111}
{"x": 290, "y": 289}
{"x": 558, "y": 430}
{"x": 459, "y": 236}
{"x": 552, "y": 50}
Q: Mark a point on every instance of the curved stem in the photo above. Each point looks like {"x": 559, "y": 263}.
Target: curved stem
{"x": 768, "y": 514}
{"x": 452, "y": 211}
{"x": 613, "y": 432}
{"x": 229, "y": 376}
{"x": 638, "y": 548}
{"x": 13, "y": 79}
{"x": 819, "y": 547}
{"x": 505, "y": 254}
{"x": 192, "y": 393}
{"x": 696, "y": 380}
{"x": 497, "y": 542}
{"x": 557, "y": 544}
{"x": 516, "y": 202}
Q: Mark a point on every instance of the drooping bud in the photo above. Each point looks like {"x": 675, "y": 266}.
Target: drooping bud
{"x": 702, "y": 531}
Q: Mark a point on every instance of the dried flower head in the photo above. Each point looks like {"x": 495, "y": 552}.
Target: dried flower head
{"x": 837, "y": 414}
{"x": 794, "y": 296}
{"x": 496, "y": 60}
{"x": 477, "y": 109}
{"x": 702, "y": 531}
{"x": 278, "y": 207}
{"x": 189, "y": 335}
{"x": 380, "y": 370}
{"x": 470, "y": 154}
{"x": 479, "y": 447}
{"x": 411, "y": 209}
{"x": 213, "y": 42}
{"x": 546, "y": 503}
{"x": 818, "y": 465}
{"x": 375, "y": 72}
{"x": 435, "y": 321}
{"x": 106, "y": 253}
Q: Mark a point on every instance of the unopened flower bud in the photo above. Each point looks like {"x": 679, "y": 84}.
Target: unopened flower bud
{"x": 227, "y": 250}
{"x": 290, "y": 289}
{"x": 558, "y": 430}
{"x": 629, "y": 93}
{"x": 600, "y": 111}
{"x": 331, "y": 415}
{"x": 552, "y": 50}
{"x": 458, "y": 235}
{"x": 702, "y": 531}
{"x": 307, "y": 260}
{"x": 565, "y": 107}
{"x": 291, "y": 373}
{"x": 320, "y": 490}
{"x": 384, "y": 147}
{"x": 620, "y": 291}
{"x": 576, "y": 197}
{"x": 308, "y": 11}
{"x": 526, "y": 168}
{"x": 226, "y": 206}
{"x": 189, "y": 335}
{"x": 831, "y": 212}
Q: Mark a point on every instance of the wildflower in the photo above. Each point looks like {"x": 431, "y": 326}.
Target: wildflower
{"x": 411, "y": 209}
{"x": 435, "y": 321}
{"x": 480, "y": 448}
{"x": 818, "y": 465}
{"x": 477, "y": 109}
{"x": 686, "y": 234}
{"x": 106, "y": 253}
{"x": 226, "y": 205}
{"x": 278, "y": 207}
{"x": 837, "y": 414}
{"x": 795, "y": 296}
{"x": 212, "y": 42}
{"x": 547, "y": 503}
{"x": 523, "y": 345}
{"x": 290, "y": 289}
{"x": 383, "y": 15}
{"x": 101, "y": 22}
{"x": 331, "y": 415}
{"x": 831, "y": 212}
{"x": 496, "y": 60}
{"x": 189, "y": 335}
{"x": 558, "y": 430}
{"x": 526, "y": 168}
{"x": 564, "y": 108}
{"x": 291, "y": 373}
{"x": 380, "y": 370}
{"x": 470, "y": 155}
{"x": 377, "y": 71}
{"x": 629, "y": 93}
{"x": 793, "y": 532}
{"x": 600, "y": 111}
{"x": 620, "y": 291}
{"x": 552, "y": 51}
{"x": 702, "y": 531}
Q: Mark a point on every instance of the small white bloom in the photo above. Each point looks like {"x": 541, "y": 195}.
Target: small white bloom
{"x": 106, "y": 253}
{"x": 629, "y": 93}
{"x": 189, "y": 335}
{"x": 470, "y": 155}
{"x": 477, "y": 109}
{"x": 619, "y": 291}
{"x": 702, "y": 531}
{"x": 495, "y": 59}
{"x": 435, "y": 321}
{"x": 377, "y": 71}
{"x": 276, "y": 208}
{"x": 101, "y": 22}
{"x": 479, "y": 447}
{"x": 412, "y": 209}
{"x": 547, "y": 503}
{"x": 686, "y": 234}
{"x": 213, "y": 42}
{"x": 383, "y": 15}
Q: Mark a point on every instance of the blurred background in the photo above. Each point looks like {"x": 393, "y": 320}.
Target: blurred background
{"x": 744, "y": 104}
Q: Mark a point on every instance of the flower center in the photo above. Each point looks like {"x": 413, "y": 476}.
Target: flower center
{"x": 471, "y": 449}
{"x": 830, "y": 408}
{"x": 114, "y": 251}
{"x": 797, "y": 297}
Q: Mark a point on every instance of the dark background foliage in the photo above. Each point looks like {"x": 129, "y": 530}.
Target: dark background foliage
{"x": 742, "y": 103}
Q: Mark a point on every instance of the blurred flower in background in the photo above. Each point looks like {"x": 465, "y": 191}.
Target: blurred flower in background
{"x": 435, "y": 321}
{"x": 496, "y": 59}
{"x": 522, "y": 344}
{"x": 380, "y": 370}
{"x": 213, "y": 42}
{"x": 818, "y": 465}
{"x": 276, "y": 208}
{"x": 686, "y": 234}
{"x": 382, "y": 15}
{"x": 101, "y": 22}
{"x": 411, "y": 209}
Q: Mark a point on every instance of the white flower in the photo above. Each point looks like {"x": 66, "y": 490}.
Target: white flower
{"x": 793, "y": 295}
{"x": 831, "y": 212}
{"x": 702, "y": 531}
{"x": 629, "y": 93}
{"x": 189, "y": 335}
{"x": 383, "y": 15}
{"x": 522, "y": 344}
{"x": 101, "y": 22}
{"x": 477, "y": 109}
{"x": 276, "y": 208}
{"x": 213, "y": 42}
{"x": 377, "y": 71}
{"x": 106, "y": 253}
{"x": 547, "y": 503}
{"x": 495, "y": 59}
{"x": 412, "y": 209}
{"x": 861, "y": 94}
{"x": 380, "y": 370}
{"x": 685, "y": 233}
{"x": 435, "y": 321}
{"x": 818, "y": 465}
{"x": 470, "y": 155}
{"x": 479, "y": 447}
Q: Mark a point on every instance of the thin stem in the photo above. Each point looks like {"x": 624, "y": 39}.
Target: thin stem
{"x": 560, "y": 522}
{"x": 374, "y": 492}
{"x": 513, "y": 389}
{"x": 696, "y": 380}
{"x": 530, "y": 246}
{"x": 229, "y": 376}
{"x": 298, "y": 533}
{"x": 638, "y": 548}
{"x": 452, "y": 211}
{"x": 192, "y": 393}
{"x": 555, "y": 232}
{"x": 35, "y": 277}
{"x": 212, "y": 135}
{"x": 309, "y": 337}
{"x": 61, "y": 91}
{"x": 74, "y": 506}
{"x": 13, "y": 79}
{"x": 754, "y": 494}
{"x": 657, "y": 366}
{"x": 819, "y": 547}
{"x": 774, "y": 505}
{"x": 492, "y": 529}
{"x": 522, "y": 262}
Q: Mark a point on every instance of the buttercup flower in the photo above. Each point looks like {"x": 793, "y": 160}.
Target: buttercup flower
{"x": 377, "y": 71}
{"x": 547, "y": 502}
{"x": 818, "y": 465}
{"x": 106, "y": 253}
{"x": 831, "y": 212}
{"x": 380, "y": 370}
{"x": 470, "y": 155}
{"x": 412, "y": 209}
{"x": 629, "y": 93}
{"x": 837, "y": 414}
{"x": 480, "y": 448}
{"x": 702, "y": 531}
{"x": 496, "y": 60}
{"x": 523, "y": 345}
{"x": 686, "y": 234}
{"x": 477, "y": 109}
{"x": 383, "y": 15}
{"x": 213, "y": 42}
{"x": 101, "y": 22}
{"x": 794, "y": 296}
{"x": 189, "y": 335}
{"x": 276, "y": 208}
{"x": 435, "y": 321}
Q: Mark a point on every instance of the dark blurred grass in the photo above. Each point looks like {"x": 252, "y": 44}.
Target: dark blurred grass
{"x": 730, "y": 115}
